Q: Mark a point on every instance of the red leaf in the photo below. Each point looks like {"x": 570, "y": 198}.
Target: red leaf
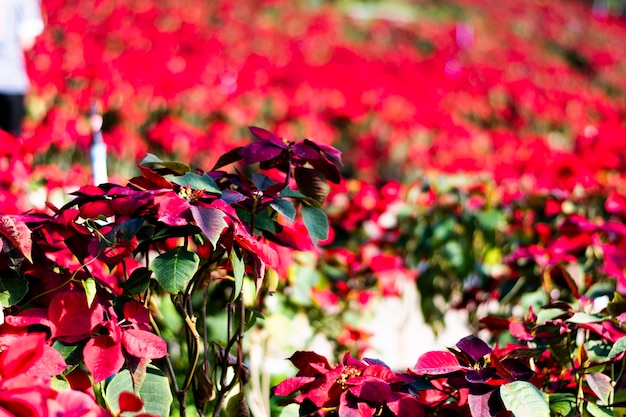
{"x": 264, "y": 252}
{"x": 129, "y": 402}
{"x": 292, "y": 238}
{"x": 151, "y": 180}
{"x": 518, "y": 330}
{"x": 72, "y": 317}
{"x": 303, "y": 360}
{"x": 103, "y": 357}
{"x": 21, "y": 354}
{"x": 143, "y": 344}
{"x": 291, "y": 385}
{"x": 18, "y": 233}
{"x": 263, "y": 134}
{"x": 50, "y": 364}
{"x": 374, "y": 390}
{"x": 78, "y": 404}
{"x": 437, "y": 363}
{"x": 136, "y": 313}
{"x": 94, "y": 209}
{"x": 407, "y": 406}
{"x": 172, "y": 209}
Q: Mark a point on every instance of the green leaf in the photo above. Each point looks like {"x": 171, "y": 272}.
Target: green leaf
{"x": 523, "y": 399}
{"x": 154, "y": 162}
{"x": 618, "y": 347}
{"x": 262, "y": 181}
{"x": 600, "y": 384}
{"x": 155, "y": 392}
{"x": 562, "y": 404}
{"x": 583, "y": 318}
{"x": 237, "y": 406}
{"x": 598, "y": 350}
{"x": 290, "y": 410}
{"x": 490, "y": 219}
{"x": 138, "y": 281}
{"x": 90, "y": 290}
{"x": 263, "y": 221}
{"x": 597, "y": 411}
{"x": 174, "y": 269}
{"x": 150, "y": 159}
{"x": 289, "y": 193}
{"x": 546, "y": 314}
{"x": 284, "y": 207}
{"x": 239, "y": 269}
{"x": 195, "y": 181}
{"x": 72, "y": 354}
{"x": 13, "y": 287}
{"x": 316, "y": 222}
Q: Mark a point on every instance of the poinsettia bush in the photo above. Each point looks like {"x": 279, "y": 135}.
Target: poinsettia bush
{"x": 88, "y": 288}
{"x": 566, "y": 359}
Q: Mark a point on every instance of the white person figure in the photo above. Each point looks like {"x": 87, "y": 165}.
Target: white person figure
{"x": 20, "y": 24}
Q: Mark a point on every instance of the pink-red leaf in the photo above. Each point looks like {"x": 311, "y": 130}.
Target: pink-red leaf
{"x": 479, "y": 405}
{"x": 21, "y": 354}
{"x": 143, "y": 344}
{"x": 103, "y": 357}
{"x": 292, "y": 385}
{"x": 173, "y": 210}
{"x": 437, "y": 363}
{"x": 73, "y": 319}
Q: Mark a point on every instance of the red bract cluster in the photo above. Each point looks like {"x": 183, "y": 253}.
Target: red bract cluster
{"x": 467, "y": 380}
{"x": 481, "y": 88}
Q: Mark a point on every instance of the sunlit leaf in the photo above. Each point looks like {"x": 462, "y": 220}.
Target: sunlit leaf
{"x": 18, "y": 233}
{"x": 239, "y": 269}
{"x": 597, "y": 411}
{"x": 174, "y": 269}
{"x": 437, "y": 363}
{"x": 89, "y": 285}
{"x": 284, "y": 207}
{"x": 523, "y": 399}
{"x": 600, "y": 384}
{"x": 582, "y": 318}
{"x": 618, "y": 348}
{"x": 237, "y": 406}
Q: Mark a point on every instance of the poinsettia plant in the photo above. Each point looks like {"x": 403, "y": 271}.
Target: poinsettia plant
{"x": 95, "y": 277}
{"x": 566, "y": 360}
